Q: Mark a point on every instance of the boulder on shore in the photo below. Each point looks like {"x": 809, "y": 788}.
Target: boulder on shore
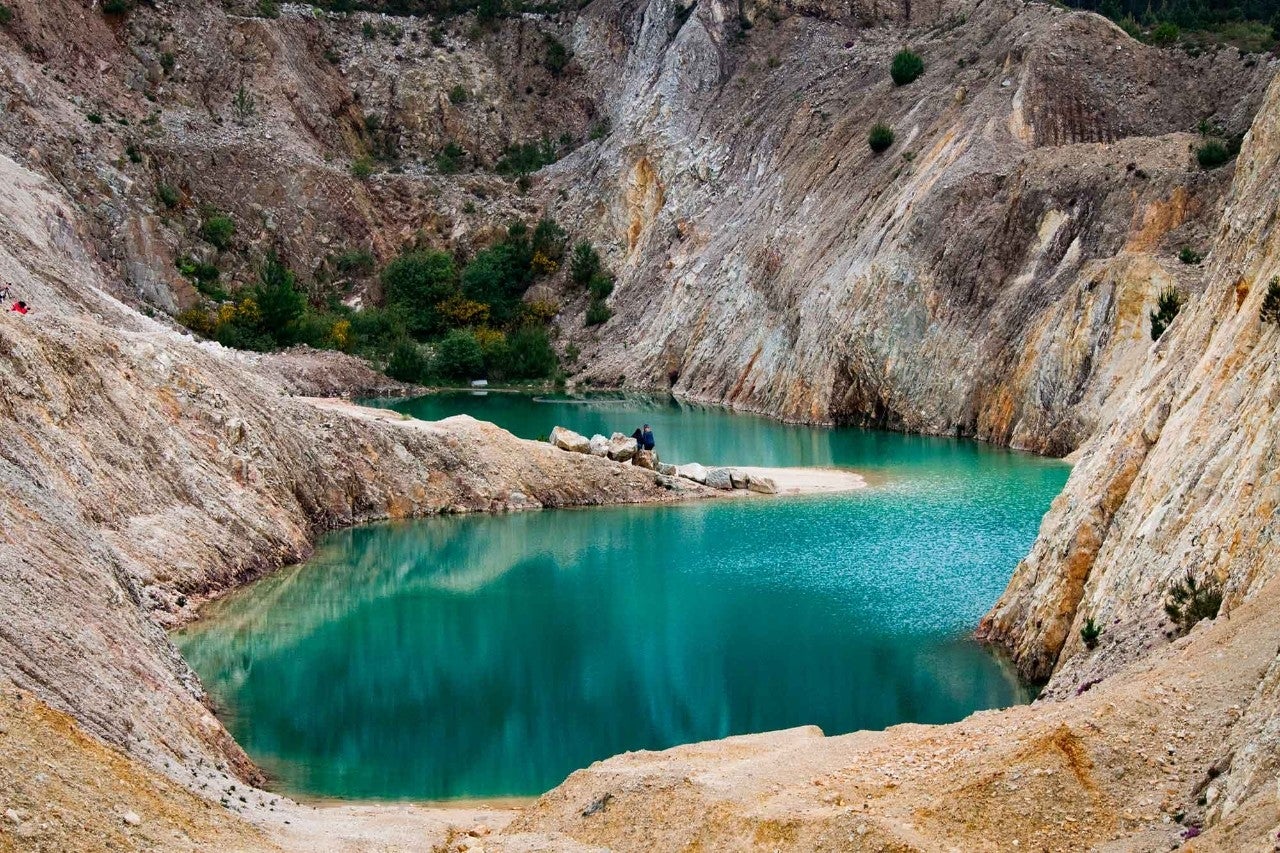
{"x": 762, "y": 484}
{"x": 567, "y": 439}
{"x": 666, "y": 469}
{"x": 738, "y": 478}
{"x": 692, "y": 471}
{"x": 720, "y": 478}
{"x": 598, "y": 446}
{"x": 646, "y": 459}
{"x": 622, "y": 447}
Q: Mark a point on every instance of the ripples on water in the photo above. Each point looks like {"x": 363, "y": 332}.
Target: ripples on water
{"x": 489, "y": 656}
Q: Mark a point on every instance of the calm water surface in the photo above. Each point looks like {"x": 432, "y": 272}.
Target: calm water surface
{"x": 492, "y": 656}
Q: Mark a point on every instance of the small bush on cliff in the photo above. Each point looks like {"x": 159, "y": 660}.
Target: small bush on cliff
{"x": 584, "y": 264}
{"x": 116, "y": 7}
{"x": 880, "y": 137}
{"x": 6, "y": 15}
{"x": 218, "y": 230}
{"x": 906, "y": 67}
{"x": 1270, "y": 311}
{"x": 1190, "y": 256}
{"x": 1190, "y": 600}
{"x": 1168, "y": 304}
{"x": 556, "y": 58}
{"x": 458, "y": 95}
{"x": 601, "y": 286}
{"x": 1212, "y": 154}
{"x": 1090, "y": 632}
{"x": 597, "y": 313}
{"x": 168, "y": 195}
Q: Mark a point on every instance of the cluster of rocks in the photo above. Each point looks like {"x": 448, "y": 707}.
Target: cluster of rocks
{"x": 623, "y": 448}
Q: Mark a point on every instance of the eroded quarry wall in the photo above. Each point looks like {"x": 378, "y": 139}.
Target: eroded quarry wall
{"x": 989, "y": 275}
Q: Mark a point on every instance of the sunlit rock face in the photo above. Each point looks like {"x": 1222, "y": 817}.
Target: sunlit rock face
{"x": 989, "y": 275}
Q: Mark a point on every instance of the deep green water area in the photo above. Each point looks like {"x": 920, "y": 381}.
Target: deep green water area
{"x": 489, "y": 656}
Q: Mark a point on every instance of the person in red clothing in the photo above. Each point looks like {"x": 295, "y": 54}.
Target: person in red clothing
{"x": 20, "y": 307}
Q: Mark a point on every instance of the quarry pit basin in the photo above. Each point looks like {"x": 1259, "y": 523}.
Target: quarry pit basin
{"x": 483, "y": 658}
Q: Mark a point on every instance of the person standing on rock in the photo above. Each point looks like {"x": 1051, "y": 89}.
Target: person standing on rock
{"x": 645, "y": 439}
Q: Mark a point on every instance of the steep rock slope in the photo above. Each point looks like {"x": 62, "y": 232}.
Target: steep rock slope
{"x": 989, "y": 275}
{"x": 143, "y": 471}
{"x": 1187, "y": 476}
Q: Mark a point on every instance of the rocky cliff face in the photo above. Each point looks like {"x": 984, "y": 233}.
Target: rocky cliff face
{"x": 989, "y": 275}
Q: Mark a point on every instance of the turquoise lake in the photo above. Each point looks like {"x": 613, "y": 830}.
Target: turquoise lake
{"x": 490, "y": 656}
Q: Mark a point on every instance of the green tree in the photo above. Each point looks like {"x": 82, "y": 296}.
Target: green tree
{"x": 459, "y": 356}
{"x": 406, "y": 362}
{"x": 529, "y": 354}
{"x": 417, "y": 283}
{"x": 278, "y": 300}
{"x": 906, "y": 67}
{"x": 498, "y": 276}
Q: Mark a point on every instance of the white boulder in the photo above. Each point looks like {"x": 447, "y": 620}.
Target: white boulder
{"x": 692, "y": 471}
{"x": 762, "y": 484}
{"x": 567, "y": 439}
{"x": 720, "y": 478}
{"x": 598, "y": 446}
{"x": 738, "y": 478}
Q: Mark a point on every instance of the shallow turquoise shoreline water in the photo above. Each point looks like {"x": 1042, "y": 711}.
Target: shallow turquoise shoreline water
{"x": 492, "y": 655}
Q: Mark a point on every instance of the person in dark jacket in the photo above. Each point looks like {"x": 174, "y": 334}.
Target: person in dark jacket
{"x": 646, "y": 438}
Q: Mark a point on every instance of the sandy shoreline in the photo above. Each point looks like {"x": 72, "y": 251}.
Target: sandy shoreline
{"x": 809, "y": 481}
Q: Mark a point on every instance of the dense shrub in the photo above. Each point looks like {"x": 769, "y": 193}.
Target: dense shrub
{"x": 459, "y": 356}
{"x": 556, "y": 58}
{"x": 549, "y": 239}
{"x": 6, "y": 15}
{"x": 218, "y": 230}
{"x": 168, "y": 195}
{"x": 1168, "y": 304}
{"x": 598, "y": 312}
{"x": 1190, "y": 256}
{"x": 406, "y": 362}
{"x": 450, "y": 159}
{"x": 116, "y": 7}
{"x": 1270, "y": 311}
{"x": 585, "y": 264}
{"x": 1190, "y": 600}
{"x": 1212, "y": 154}
{"x": 880, "y": 137}
{"x": 355, "y": 262}
{"x": 906, "y": 67}
{"x": 527, "y": 157}
{"x": 601, "y": 286}
{"x": 417, "y": 283}
{"x": 1165, "y": 33}
{"x": 458, "y": 95}
{"x": 362, "y": 167}
{"x": 529, "y": 354}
